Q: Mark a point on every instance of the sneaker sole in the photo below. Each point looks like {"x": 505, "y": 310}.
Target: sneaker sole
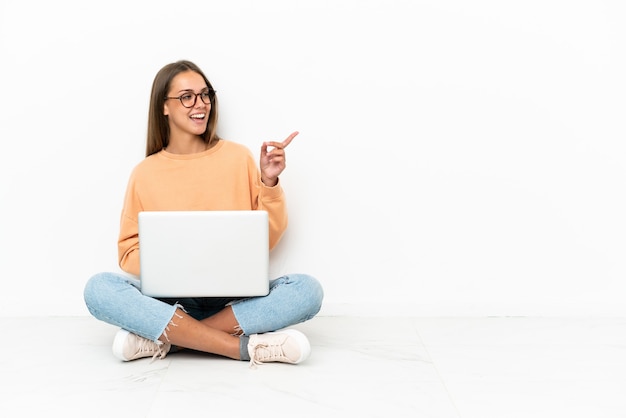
{"x": 303, "y": 342}
{"x": 118, "y": 344}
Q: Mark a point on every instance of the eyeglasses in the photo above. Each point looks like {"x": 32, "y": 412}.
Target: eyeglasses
{"x": 189, "y": 99}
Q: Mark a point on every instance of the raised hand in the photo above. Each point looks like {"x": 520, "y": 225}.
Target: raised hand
{"x": 273, "y": 160}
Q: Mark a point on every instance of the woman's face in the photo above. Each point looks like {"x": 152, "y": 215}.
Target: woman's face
{"x": 190, "y": 118}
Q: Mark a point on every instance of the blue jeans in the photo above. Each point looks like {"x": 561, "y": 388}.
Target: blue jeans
{"x": 115, "y": 298}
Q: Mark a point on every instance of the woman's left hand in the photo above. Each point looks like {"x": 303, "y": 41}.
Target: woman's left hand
{"x": 273, "y": 160}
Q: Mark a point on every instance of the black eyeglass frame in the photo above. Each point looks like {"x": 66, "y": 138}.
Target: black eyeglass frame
{"x": 210, "y": 92}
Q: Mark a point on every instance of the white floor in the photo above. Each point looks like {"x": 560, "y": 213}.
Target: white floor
{"x": 359, "y": 367}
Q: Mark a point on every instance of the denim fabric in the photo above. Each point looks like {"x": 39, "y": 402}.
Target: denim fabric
{"x": 292, "y": 299}
{"x": 115, "y": 298}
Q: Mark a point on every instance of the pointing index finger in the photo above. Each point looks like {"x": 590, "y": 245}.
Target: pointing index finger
{"x": 281, "y": 145}
{"x": 289, "y": 139}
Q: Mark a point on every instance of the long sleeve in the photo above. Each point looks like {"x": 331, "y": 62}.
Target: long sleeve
{"x": 223, "y": 178}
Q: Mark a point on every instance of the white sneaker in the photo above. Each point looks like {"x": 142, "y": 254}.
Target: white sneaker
{"x": 286, "y": 346}
{"x": 128, "y": 346}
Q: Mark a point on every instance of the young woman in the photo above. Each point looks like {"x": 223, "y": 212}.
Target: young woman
{"x": 189, "y": 167}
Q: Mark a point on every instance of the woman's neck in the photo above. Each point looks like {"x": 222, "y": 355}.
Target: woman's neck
{"x": 190, "y": 145}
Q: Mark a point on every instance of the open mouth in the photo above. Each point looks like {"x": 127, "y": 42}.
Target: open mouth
{"x": 198, "y": 116}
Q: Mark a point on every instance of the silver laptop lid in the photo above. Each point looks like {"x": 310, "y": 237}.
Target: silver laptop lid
{"x": 204, "y": 253}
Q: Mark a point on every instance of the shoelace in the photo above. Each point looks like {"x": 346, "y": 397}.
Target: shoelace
{"x": 159, "y": 353}
{"x": 268, "y": 353}
{"x": 148, "y": 345}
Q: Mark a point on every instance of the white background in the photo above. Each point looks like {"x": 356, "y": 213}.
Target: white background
{"x": 455, "y": 157}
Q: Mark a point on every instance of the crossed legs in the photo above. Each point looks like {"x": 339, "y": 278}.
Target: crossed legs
{"x": 215, "y": 334}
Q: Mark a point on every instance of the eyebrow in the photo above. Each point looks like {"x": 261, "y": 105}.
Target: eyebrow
{"x": 191, "y": 90}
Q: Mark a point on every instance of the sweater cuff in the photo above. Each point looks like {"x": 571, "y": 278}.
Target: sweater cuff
{"x": 275, "y": 191}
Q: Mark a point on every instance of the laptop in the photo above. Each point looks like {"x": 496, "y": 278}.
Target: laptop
{"x": 204, "y": 253}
